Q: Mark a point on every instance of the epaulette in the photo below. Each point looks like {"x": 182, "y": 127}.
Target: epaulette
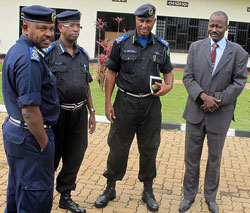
{"x": 47, "y": 50}
{"x": 121, "y": 38}
{"x": 165, "y": 43}
{"x": 84, "y": 51}
{"x": 34, "y": 54}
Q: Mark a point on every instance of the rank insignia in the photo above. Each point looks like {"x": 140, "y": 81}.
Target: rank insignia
{"x": 34, "y": 54}
{"x": 121, "y": 38}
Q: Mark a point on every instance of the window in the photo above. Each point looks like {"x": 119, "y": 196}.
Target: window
{"x": 58, "y": 10}
{"x": 181, "y": 32}
{"x": 112, "y": 29}
{"x": 239, "y": 32}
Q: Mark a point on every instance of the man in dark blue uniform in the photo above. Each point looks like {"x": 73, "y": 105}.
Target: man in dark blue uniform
{"x": 32, "y": 104}
{"x": 70, "y": 64}
{"x": 134, "y": 58}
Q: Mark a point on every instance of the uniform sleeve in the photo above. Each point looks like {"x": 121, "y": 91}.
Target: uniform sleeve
{"x": 90, "y": 78}
{"x": 167, "y": 66}
{"x": 113, "y": 62}
{"x": 28, "y": 82}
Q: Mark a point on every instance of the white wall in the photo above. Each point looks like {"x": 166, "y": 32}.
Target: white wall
{"x": 9, "y": 16}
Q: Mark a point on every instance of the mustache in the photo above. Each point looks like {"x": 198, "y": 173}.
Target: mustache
{"x": 47, "y": 37}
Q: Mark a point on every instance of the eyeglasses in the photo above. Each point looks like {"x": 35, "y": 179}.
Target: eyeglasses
{"x": 72, "y": 25}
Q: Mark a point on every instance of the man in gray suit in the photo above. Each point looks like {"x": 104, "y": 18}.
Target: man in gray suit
{"x": 214, "y": 77}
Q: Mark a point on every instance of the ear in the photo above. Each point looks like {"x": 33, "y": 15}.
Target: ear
{"x": 59, "y": 27}
{"x": 25, "y": 27}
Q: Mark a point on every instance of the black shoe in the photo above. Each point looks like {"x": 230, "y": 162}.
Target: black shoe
{"x": 213, "y": 207}
{"x": 67, "y": 203}
{"x": 108, "y": 194}
{"x": 149, "y": 198}
{"x": 185, "y": 205}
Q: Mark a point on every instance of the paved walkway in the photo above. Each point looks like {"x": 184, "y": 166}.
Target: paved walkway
{"x": 233, "y": 195}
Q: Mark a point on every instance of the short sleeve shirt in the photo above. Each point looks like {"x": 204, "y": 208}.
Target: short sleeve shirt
{"x": 27, "y": 80}
{"x": 72, "y": 72}
{"x": 134, "y": 63}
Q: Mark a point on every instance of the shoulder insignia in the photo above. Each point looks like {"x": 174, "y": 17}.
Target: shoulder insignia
{"x": 47, "y": 50}
{"x": 34, "y": 54}
{"x": 121, "y": 38}
{"x": 85, "y": 52}
{"x": 165, "y": 43}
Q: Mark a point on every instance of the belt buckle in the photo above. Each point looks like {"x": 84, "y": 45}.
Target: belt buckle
{"x": 74, "y": 108}
{"x": 140, "y": 95}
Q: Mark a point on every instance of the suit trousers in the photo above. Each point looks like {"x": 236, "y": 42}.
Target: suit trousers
{"x": 31, "y": 172}
{"x": 140, "y": 116}
{"x": 71, "y": 131}
{"x": 195, "y": 135}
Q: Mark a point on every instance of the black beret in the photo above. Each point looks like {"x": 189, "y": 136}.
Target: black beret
{"x": 69, "y": 16}
{"x": 37, "y": 13}
{"x": 145, "y": 10}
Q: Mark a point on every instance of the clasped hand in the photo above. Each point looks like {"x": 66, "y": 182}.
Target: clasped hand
{"x": 210, "y": 103}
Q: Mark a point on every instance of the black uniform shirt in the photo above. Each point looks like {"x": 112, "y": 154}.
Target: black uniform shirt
{"x": 72, "y": 72}
{"x": 135, "y": 63}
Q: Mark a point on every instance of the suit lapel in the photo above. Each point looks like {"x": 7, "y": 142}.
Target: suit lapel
{"x": 225, "y": 58}
{"x": 207, "y": 51}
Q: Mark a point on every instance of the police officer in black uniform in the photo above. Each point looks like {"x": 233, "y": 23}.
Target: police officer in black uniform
{"x": 29, "y": 91}
{"x": 135, "y": 57}
{"x": 70, "y": 64}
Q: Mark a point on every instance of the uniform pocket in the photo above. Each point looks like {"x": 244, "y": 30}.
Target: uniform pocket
{"x": 85, "y": 70}
{"x": 13, "y": 144}
{"x": 57, "y": 70}
{"x": 36, "y": 197}
{"x": 128, "y": 61}
{"x": 157, "y": 60}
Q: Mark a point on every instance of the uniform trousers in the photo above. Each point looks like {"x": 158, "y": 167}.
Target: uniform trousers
{"x": 31, "y": 172}
{"x": 71, "y": 142}
{"x": 195, "y": 135}
{"x": 140, "y": 116}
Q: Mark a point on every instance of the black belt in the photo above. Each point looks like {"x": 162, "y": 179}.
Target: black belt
{"x": 18, "y": 123}
{"x": 73, "y": 107}
{"x": 139, "y": 95}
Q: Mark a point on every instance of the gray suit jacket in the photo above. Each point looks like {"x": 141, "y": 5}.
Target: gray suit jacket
{"x": 226, "y": 84}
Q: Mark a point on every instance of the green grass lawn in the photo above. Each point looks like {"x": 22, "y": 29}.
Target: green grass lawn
{"x": 173, "y": 103}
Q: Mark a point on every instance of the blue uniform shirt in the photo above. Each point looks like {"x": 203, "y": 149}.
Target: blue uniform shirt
{"x": 27, "y": 80}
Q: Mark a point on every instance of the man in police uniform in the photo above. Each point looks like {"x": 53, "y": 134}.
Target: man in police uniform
{"x": 134, "y": 58}
{"x": 32, "y": 104}
{"x": 70, "y": 64}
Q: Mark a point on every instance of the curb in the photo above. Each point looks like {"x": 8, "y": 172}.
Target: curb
{"x": 168, "y": 125}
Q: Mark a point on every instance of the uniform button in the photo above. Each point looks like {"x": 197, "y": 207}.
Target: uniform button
{"x": 26, "y": 187}
{"x": 143, "y": 68}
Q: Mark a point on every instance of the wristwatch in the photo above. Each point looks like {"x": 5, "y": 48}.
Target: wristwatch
{"x": 92, "y": 109}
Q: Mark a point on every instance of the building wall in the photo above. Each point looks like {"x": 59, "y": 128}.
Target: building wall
{"x": 9, "y": 13}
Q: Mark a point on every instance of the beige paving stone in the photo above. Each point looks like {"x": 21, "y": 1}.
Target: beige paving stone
{"x": 233, "y": 194}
